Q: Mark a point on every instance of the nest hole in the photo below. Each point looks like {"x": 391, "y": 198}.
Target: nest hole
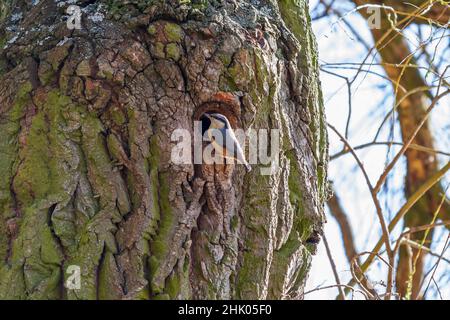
{"x": 214, "y": 107}
{"x": 223, "y": 170}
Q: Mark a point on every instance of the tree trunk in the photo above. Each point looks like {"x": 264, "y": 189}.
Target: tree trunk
{"x": 86, "y": 177}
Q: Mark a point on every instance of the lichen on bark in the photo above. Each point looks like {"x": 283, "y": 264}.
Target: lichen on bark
{"x": 86, "y": 118}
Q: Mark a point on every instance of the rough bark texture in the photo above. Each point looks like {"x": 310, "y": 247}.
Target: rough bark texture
{"x": 86, "y": 118}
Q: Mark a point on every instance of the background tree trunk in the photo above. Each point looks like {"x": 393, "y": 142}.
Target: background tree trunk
{"x": 86, "y": 118}
{"x": 412, "y": 102}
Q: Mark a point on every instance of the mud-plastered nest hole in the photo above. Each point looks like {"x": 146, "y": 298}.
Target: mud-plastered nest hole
{"x": 231, "y": 112}
{"x": 216, "y": 107}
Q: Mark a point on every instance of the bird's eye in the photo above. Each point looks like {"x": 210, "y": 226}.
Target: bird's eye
{"x": 206, "y": 123}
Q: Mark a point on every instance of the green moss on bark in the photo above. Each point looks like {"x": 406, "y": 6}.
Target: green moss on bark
{"x": 160, "y": 245}
{"x": 295, "y": 14}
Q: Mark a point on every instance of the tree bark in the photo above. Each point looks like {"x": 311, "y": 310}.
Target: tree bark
{"x": 86, "y": 177}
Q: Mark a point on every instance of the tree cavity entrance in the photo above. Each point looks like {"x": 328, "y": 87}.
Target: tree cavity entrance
{"x": 223, "y": 170}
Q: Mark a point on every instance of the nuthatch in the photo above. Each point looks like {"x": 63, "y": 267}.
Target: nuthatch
{"x": 220, "y": 123}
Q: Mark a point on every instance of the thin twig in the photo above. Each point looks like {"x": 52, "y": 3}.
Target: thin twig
{"x": 405, "y": 147}
{"x": 437, "y": 263}
{"x": 421, "y": 245}
{"x": 334, "y": 286}
{"x": 435, "y": 178}
{"x": 333, "y": 267}
{"x": 372, "y": 193}
{"x": 388, "y": 143}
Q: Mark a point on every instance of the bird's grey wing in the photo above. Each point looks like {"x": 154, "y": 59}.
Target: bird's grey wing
{"x": 234, "y": 149}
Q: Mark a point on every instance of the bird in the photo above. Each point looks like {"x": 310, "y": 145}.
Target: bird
{"x": 220, "y": 122}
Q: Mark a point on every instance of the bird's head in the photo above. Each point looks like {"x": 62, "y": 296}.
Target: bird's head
{"x": 218, "y": 121}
